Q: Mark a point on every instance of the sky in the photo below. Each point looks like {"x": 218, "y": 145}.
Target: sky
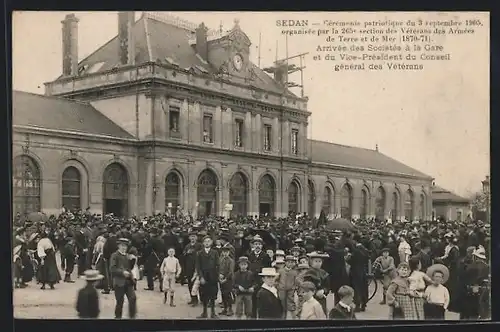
{"x": 435, "y": 120}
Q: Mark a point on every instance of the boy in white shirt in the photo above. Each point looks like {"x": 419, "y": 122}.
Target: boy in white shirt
{"x": 170, "y": 269}
{"x": 311, "y": 308}
{"x": 437, "y": 296}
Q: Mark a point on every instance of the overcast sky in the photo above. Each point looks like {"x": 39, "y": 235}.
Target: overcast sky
{"x": 435, "y": 120}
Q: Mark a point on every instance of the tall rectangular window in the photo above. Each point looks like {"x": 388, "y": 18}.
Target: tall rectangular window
{"x": 295, "y": 142}
{"x": 174, "y": 116}
{"x": 238, "y": 133}
{"x": 207, "y": 129}
{"x": 267, "y": 137}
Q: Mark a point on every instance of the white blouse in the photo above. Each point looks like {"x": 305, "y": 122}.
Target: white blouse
{"x": 417, "y": 281}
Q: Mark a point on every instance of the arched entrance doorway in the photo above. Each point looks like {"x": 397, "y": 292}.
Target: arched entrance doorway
{"x": 293, "y": 198}
{"x": 409, "y": 204}
{"x": 238, "y": 190}
{"x": 26, "y": 185}
{"x": 207, "y": 193}
{"x": 115, "y": 190}
{"x": 267, "y": 189}
{"x": 395, "y": 204}
{"x": 327, "y": 201}
{"x": 380, "y": 204}
{"x": 172, "y": 192}
{"x": 71, "y": 189}
{"x": 365, "y": 206}
{"x": 346, "y": 202}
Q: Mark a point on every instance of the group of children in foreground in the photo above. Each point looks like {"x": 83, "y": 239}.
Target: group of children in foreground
{"x": 286, "y": 280}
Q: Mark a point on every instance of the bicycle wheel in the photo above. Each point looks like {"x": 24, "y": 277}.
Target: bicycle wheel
{"x": 372, "y": 288}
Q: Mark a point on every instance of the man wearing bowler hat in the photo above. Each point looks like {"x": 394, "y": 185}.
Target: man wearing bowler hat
{"x": 122, "y": 280}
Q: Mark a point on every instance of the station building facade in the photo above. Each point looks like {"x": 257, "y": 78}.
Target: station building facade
{"x": 169, "y": 113}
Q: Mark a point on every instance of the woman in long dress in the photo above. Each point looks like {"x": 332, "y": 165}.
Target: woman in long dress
{"x": 400, "y": 298}
{"x": 48, "y": 273}
{"x": 418, "y": 282}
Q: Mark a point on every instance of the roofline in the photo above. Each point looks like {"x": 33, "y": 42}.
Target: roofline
{"x": 449, "y": 200}
{"x": 370, "y": 170}
{"x": 74, "y": 133}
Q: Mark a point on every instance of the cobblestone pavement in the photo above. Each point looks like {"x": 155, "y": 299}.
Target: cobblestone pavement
{"x": 32, "y": 302}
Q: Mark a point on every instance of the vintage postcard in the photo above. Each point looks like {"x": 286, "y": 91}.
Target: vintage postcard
{"x": 251, "y": 165}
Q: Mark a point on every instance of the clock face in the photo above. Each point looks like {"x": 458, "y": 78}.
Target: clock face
{"x": 238, "y": 61}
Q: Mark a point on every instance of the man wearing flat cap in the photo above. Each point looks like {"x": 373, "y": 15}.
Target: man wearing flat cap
{"x": 123, "y": 280}
{"x": 207, "y": 268}
{"x": 258, "y": 260}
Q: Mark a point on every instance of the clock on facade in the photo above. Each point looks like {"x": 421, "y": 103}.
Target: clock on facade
{"x": 238, "y": 61}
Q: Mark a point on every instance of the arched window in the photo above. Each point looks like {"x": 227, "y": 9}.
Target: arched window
{"x": 26, "y": 185}
{"x": 364, "y": 204}
{"x": 293, "y": 198}
{"x": 71, "y": 189}
{"x": 172, "y": 192}
{"x": 346, "y": 202}
{"x": 395, "y": 206}
{"x": 380, "y": 204}
{"x": 422, "y": 207}
{"x": 207, "y": 193}
{"x": 311, "y": 199}
{"x": 115, "y": 190}
{"x": 327, "y": 201}
{"x": 267, "y": 189}
{"x": 238, "y": 191}
{"x": 409, "y": 205}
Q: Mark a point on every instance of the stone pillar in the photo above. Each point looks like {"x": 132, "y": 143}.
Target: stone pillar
{"x": 217, "y": 127}
{"x": 160, "y": 205}
{"x": 286, "y": 138}
{"x": 149, "y": 184}
{"x": 275, "y": 139}
{"x": 247, "y": 143}
{"x": 258, "y": 133}
{"x": 195, "y": 122}
{"x": 356, "y": 201}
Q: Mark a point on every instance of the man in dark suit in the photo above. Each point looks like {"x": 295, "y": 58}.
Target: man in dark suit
{"x": 424, "y": 256}
{"x": 224, "y": 240}
{"x": 207, "y": 268}
{"x": 110, "y": 246}
{"x": 122, "y": 280}
{"x": 258, "y": 259}
{"x": 268, "y": 303}
{"x": 153, "y": 255}
{"x": 189, "y": 253}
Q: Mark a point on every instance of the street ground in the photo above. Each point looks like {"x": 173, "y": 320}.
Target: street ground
{"x": 34, "y": 303}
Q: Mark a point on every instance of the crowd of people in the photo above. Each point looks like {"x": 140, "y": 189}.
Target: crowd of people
{"x": 263, "y": 267}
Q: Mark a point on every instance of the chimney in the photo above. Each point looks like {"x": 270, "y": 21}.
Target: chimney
{"x": 126, "y": 48}
{"x": 201, "y": 41}
{"x": 376, "y": 147}
{"x": 70, "y": 45}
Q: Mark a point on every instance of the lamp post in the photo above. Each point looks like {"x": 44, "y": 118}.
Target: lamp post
{"x": 486, "y": 191}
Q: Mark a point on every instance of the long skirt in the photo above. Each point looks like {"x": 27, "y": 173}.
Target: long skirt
{"x": 28, "y": 270}
{"x": 410, "y": 308}
{"x": 48, "y": 273}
